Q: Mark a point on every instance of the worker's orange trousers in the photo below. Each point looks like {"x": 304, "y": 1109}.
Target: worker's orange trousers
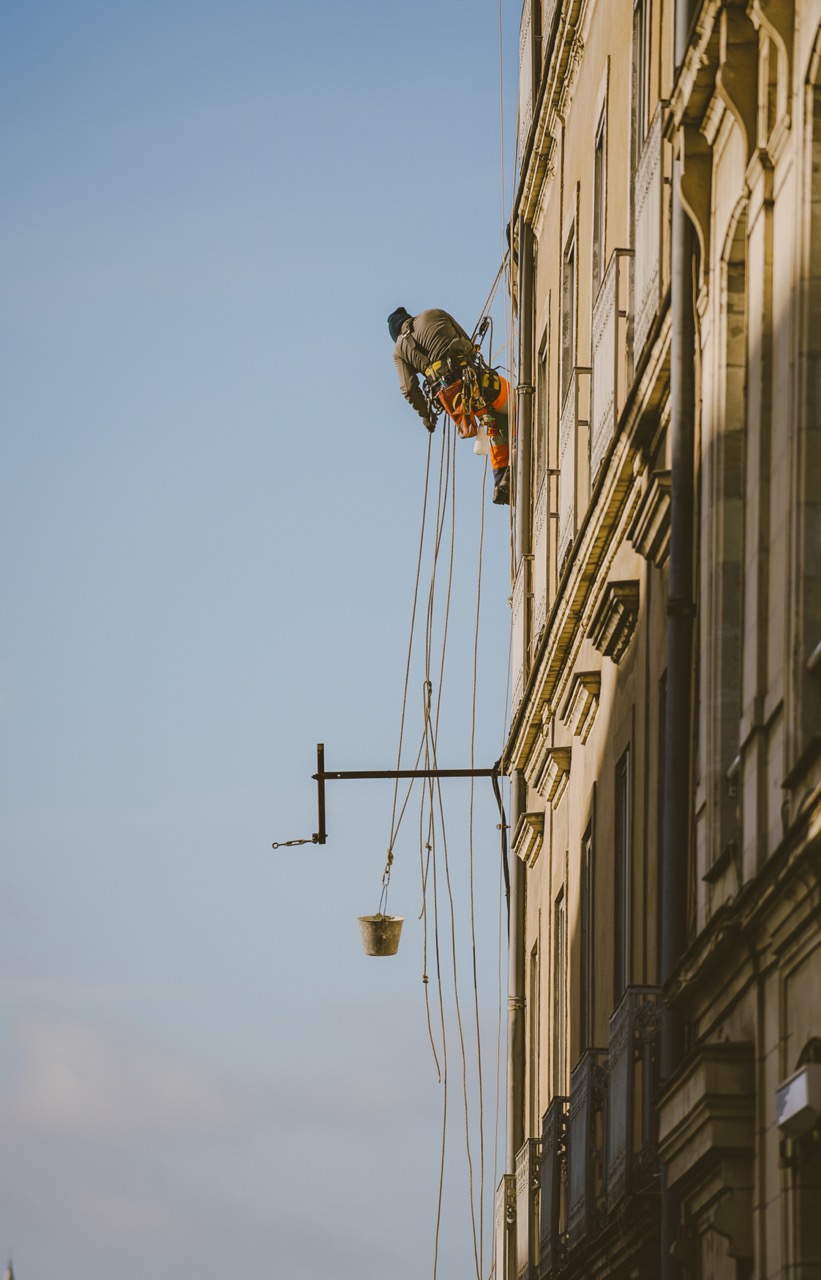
{"x": 467, "y": 424}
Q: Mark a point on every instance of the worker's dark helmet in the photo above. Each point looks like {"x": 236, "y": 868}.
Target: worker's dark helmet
{"x": 395, "y": 321}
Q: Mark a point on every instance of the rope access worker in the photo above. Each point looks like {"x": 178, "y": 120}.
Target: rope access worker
{"x": 434, "y": 345}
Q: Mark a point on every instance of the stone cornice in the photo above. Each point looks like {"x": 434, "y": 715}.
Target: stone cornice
{"x": 612, "y": 507}
{"x": 694, "y": 85}
{"x": 615, "y": 620}
{"x": 528, "y": 837}
{"x": 553, "y": 778}
{"x": 595, "y": 549}
{"x": 553, "y": 99}
{"x": 581, "y": 705}
{"x": 707, "y": 1111}
{"x": 650, "y": 531}
{"x": 767, "y": 915}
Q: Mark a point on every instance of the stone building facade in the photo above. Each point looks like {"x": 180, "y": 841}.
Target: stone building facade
{"x": 665, "y": 745}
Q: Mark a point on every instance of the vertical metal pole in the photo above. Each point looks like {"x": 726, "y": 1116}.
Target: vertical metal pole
{"x": 320, "y": 835}
{"x": 676, "y": 833}
{"x": 515, "y": 1126}
{"x": 524, "y": 399}
{"x": 515, "y": 1120}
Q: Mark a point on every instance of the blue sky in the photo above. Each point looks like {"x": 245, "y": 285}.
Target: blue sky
{"x": 210, "y": 514}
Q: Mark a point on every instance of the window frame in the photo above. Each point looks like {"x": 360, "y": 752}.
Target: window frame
{"x": 622, "y": 852}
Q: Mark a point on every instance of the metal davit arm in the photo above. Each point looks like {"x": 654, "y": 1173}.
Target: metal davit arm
{"x": 322, "y": 776}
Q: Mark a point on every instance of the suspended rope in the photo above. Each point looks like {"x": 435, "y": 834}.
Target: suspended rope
{"x": 396, "y": 819}
{"x": 394, "y": 823}
{"x": 430, "y": 864}
{"x": 434, "y": 803}
{"x": 425, "y": 849}
{"x": 470, "y": 868}
{"x": 483, "y": 315}
{"x": 498, "y": 1079}
{"x": 434, "y": 858}
{"x": 443, "y": 1029}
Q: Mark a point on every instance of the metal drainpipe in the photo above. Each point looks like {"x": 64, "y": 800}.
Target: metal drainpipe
{"x": 676, "y": 832}
{"x": 515, "y": 1120}
{"x": 524, "y": 399}
{"x": 515, "y": 1124}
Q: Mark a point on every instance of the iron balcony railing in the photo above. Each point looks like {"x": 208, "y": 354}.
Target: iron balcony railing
{"x": 611, "y": 343}
{"x": 541, "y": 553}
{"x": 574, "y": 426}
{"x": 521, "y": 606}
{"x": 553, "y": 1190}
{"x": 651, "y": 203}
{"x": 527, "y": 73}
{"x": 505, "y": 1223}
{"x": 633, "y": 1059}
{"x": 528, "y": 1180}
{"x": 587, "y": 1188}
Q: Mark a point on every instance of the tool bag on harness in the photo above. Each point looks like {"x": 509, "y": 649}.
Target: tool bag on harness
{"x": 466, "y": 390}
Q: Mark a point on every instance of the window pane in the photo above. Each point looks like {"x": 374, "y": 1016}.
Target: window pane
{"x": 599, "y": 200}
{"x": 568, "y": 313}
{"x": 586, "y": 1011}
{"x": 622, "y": 876}
{"x": 559, "y": 987}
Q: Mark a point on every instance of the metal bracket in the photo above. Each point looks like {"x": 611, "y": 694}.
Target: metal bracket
{"x": 322, "y": 775}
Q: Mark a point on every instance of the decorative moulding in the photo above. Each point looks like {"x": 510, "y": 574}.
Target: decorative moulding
{"x": 615, "y": 619}
{"x": 582, "y": 703}
{"x": 707, "y": 1111}
{"x": 536, "y": 758}
{"x": 650, "y": 530}
{"x": 528, "y": 837}
{"x": 555, "y": 774}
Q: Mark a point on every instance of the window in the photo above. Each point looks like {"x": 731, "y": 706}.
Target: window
{"x": 540, "y": 442}
{"x": 586, "y": 940}
{"x": 599, "y": 202}
{"x": 549, "y": 8}
{"x": 768, "y": 88}
{"x": 621, "y": 881}
{"x": 662, "y": 757}
{"x": 559, "y": 994}
{"x": 641, "y": 73}
{"x": 568, "y": 312}
{"x": 534, "y": 1033}
{"x": 728, "y": 515}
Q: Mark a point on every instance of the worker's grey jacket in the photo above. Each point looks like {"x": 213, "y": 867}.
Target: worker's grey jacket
{"x": 432, "y": 335}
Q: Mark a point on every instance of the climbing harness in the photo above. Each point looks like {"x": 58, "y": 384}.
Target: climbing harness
{"x": 441, "y": 373}
{"x": 467, "y": 389}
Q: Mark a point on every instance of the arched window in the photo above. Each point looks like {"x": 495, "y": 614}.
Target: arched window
{"x": 726, "y": 497}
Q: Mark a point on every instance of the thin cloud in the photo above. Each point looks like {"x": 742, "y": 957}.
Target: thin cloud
{"x": 120, "y": 1152}
{"x": 109, "y": 1087}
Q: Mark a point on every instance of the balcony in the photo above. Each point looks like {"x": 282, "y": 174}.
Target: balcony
{"x": 528, "y": 1180}
{"x": 520, "y": 627}
{"x": 549, "y": 17}
{"x": 541, "y": 554}
{"x": 587, "y": 1192}
{"x": 573, "y": 431}
{"x": 632, "y": 1146}
{"x": 651, "y": 190}
{"x": 527, "y": 72}
{"x": 553, "y": 1190}
{"x": 611, "y": 355}
{"x": 505, "y": 1219}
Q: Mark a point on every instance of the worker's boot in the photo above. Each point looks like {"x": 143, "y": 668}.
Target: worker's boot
{"x": 501, "y": 491}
